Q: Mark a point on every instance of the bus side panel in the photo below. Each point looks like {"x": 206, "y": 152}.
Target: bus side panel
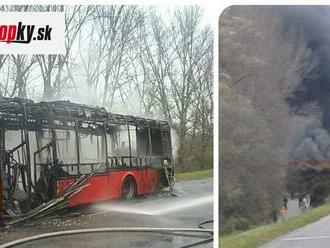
{"x": 106, "y": 187}
{"x": 150, "y": 181}
{"x": 95, "y": 190}
{"x": 146, "y": 181}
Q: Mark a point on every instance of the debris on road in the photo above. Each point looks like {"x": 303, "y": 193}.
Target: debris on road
{"x": 57, "y": 203}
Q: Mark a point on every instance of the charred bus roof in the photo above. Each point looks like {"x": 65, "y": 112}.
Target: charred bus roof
{"x": 58, "y": 141}
{"x": 16, "y": 113}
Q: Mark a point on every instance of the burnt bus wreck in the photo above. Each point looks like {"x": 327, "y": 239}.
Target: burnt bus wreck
{"x": 46, "y": 146}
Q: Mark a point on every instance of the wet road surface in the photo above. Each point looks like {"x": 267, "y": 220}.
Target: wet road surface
{"x": 193, "y": 205}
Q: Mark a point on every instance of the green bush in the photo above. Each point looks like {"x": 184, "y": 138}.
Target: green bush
{"x": 251, "y": 180}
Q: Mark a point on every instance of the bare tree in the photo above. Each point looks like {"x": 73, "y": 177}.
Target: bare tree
{"x": 116, "y": 26}
{"x": 175, "y": 61}
{"x": 3, "y": 83}
{"x": 130, "y": 57}
{"x": 190, "y": 45}
{"x": 54, "y": 66}
{"x": 202, "y": 108}
{"x": 156, "y": 57}
{"x": 19, "y": 66}
{"x": 23, "y": 65}
{"x": 91, "y": 56}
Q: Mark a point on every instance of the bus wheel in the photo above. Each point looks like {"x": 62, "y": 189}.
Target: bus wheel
{"x": 129, "y": 188}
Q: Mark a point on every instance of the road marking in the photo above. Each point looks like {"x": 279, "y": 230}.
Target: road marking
{"x": 305, "y": 238}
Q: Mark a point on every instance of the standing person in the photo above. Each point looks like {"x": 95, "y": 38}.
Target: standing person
{"x": 304, "y": 203}
{"x": 300, "y": 199}
{"x": 285, "y": 202}
{"x": 274, "y": 215}
{"x": 282, "y": 213}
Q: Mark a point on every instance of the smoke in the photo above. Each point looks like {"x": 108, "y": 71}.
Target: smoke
{"x": 308, "y": 134}
{"x": 313, "y": 22}
{"x": 82, "y": 94}
{"x": 175, "y": 142}
{"x": 307, "y": 139}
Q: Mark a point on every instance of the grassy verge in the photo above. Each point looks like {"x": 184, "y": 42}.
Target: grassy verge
{"x": 260, "y": 235}
{"x": 193, "y": 175}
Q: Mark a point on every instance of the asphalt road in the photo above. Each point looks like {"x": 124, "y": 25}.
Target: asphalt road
{"x": 193, "y": 204}
{"x": 293, "y": 208}
{"x": 314, "y": 235}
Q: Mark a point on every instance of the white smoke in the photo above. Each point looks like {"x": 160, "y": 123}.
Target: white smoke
{"x": 175, "y": 142}
{"x": 82, "y": 95}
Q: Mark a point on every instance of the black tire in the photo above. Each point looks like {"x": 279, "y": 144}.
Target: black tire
{"x": 129, "y": 189}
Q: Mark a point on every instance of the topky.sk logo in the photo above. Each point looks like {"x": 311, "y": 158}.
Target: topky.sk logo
{"x": 21, "y": 33}
{"x": 32, "y": 33}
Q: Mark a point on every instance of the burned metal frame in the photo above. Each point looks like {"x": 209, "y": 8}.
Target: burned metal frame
{"x": 26, "y": 116}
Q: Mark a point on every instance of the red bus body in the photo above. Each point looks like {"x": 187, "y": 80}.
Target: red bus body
{"x": 108, "y": 185}
{"x": 59, "y": 142}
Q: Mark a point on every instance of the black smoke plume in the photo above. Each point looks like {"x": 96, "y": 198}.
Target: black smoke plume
{"x": 314, "y": 22}
{"x": 308, "y": 136}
